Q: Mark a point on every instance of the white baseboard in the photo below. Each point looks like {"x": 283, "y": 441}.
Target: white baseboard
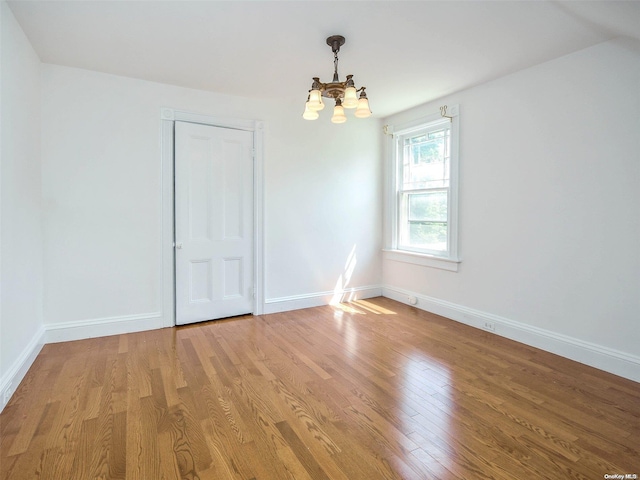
{"x": 604, "y": 358}
{"x": 318, "y": 299}
{"x": 10, "y": 381}
{"x": 69, "y": 331}
{"x": 102, "y": 327}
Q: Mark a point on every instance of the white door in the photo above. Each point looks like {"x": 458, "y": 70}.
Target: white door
{"x": 214, "y": 222}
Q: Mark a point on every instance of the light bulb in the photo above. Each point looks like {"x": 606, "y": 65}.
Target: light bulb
{"x": 338, "y": 113}
{"x": 363, "y": 110}
{"x": 315, "y": 100}
{"x": 350, "y": 98}
{"x": 308, "y": 113}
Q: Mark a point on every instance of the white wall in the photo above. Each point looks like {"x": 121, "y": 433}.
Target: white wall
{"x": 549, "y": 208}
{"x": 20, "y": 217}
{"x": 102, "y": 191}
{"x": 324, "y": 206}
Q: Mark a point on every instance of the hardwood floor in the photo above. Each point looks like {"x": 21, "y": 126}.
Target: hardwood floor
{"x": 369, "y": 390}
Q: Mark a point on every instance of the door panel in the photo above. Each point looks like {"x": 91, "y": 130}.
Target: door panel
{"x": 214, "y": 222}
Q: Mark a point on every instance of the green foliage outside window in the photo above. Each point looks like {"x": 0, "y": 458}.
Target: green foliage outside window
{"x": 427, "y": 218}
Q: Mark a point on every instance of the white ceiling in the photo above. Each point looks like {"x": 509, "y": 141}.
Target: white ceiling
{"x": 405, "y": 53}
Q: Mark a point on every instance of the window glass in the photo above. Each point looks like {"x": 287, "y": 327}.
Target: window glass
{"x": 423, "y": 162}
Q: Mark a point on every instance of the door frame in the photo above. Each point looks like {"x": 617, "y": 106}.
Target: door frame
{"x": 168, "y": 117}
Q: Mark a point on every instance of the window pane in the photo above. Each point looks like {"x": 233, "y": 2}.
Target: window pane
{"x": 428, "y": 206}
{"x": 425, "y": 220}
{"x": 428, "y": 236}
{"x": 426, "y": 159}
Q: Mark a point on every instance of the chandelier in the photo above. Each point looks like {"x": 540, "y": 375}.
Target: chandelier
{"x": 344, "y": 93}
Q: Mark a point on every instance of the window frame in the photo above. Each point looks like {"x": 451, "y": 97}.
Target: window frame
{"x": 450, "y": 259}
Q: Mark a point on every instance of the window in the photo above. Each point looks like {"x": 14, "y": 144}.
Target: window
{"x": 424, "y": 206}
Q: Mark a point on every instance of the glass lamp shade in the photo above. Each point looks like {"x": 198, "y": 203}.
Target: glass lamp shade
{"x": 338, "y": 114}
{"x": 308, "y": 113}
{"x": 350, "y": 98}
{"x": 363, "y": 110}
{"x": 315, "y": 100}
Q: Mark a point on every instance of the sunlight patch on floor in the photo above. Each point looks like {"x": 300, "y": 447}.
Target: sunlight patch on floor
{"x": 348, "y": 307}
{"x": 373, "y": 308}
{"x": 362, "y": 307}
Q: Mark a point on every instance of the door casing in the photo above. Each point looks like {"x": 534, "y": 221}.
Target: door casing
{"x": 168, "y": 117}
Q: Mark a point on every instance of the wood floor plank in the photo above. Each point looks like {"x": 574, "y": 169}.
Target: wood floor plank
{"x": 301, "y": 452}
{"x": 363, "y": 391}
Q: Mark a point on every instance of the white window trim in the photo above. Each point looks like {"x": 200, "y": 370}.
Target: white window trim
{"x": 392, "y": 252}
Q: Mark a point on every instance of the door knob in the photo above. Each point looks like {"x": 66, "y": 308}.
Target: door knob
{"x": 179, "y": 245}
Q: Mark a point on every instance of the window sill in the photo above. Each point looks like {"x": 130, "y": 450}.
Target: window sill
{"x": 422, "y": 259}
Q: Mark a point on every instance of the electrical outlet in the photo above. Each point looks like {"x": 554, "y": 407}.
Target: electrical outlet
{"x": 412, "y": 300}
{"x": 490, "y": 326}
